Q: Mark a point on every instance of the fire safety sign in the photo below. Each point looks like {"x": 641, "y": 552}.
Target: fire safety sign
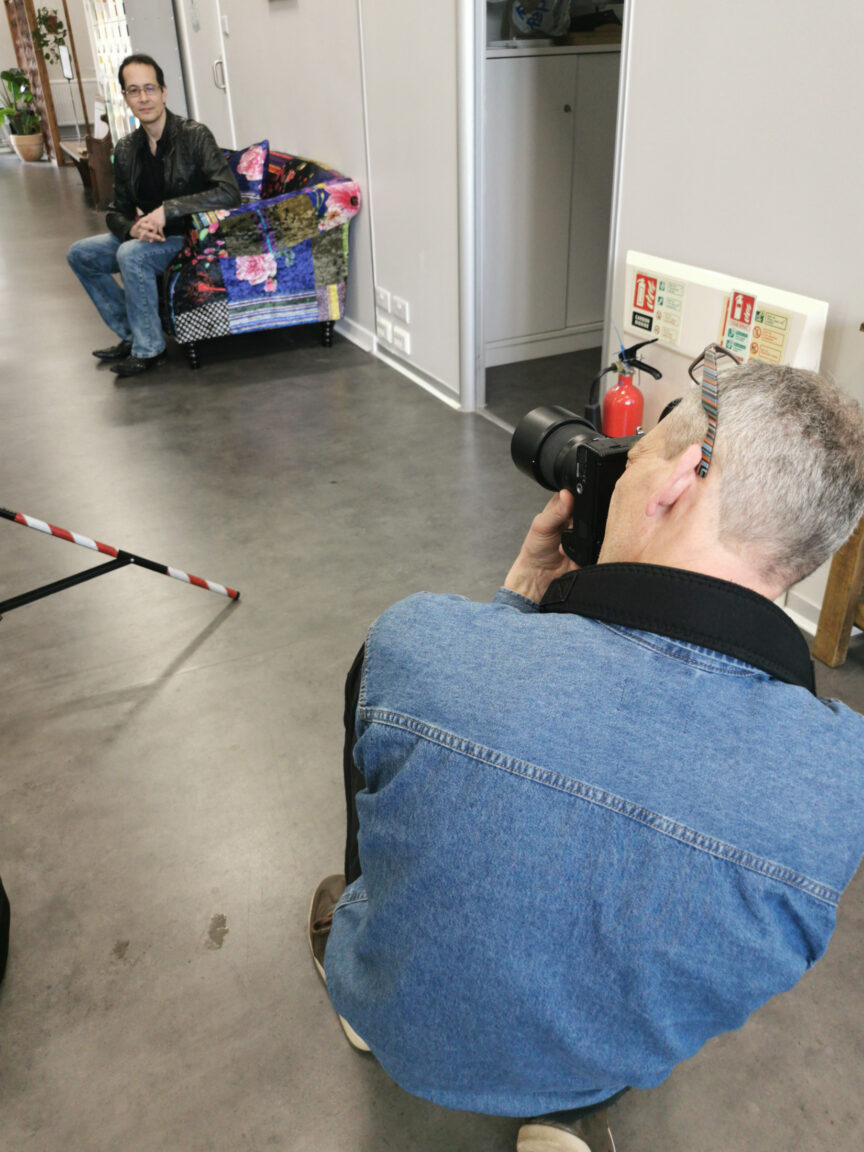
{"x": 657, "y": 307}
{"x": 738, "y": 323}
{"x": 644, "y": 302}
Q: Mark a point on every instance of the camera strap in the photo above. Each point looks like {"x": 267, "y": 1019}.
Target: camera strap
{"x": 688, "y": 606}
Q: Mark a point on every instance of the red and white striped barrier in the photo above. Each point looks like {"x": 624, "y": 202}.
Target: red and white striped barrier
{"x": 117, "y": 553}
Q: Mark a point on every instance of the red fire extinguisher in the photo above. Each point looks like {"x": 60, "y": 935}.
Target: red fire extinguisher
{"x": 623, "y": 405}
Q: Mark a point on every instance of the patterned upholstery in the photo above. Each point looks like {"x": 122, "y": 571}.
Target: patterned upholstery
{"x": 270, "y": 263}
{"x": 249, "y": 166}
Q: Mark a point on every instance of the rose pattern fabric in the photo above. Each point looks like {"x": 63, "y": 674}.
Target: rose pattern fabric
{"x": 259, "y": 269}
{"x": 342, "y": 201}
{"x": 249, "y": 166}
{"x": 251, "y": 163}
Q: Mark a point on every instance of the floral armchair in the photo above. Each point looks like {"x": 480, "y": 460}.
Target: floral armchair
{"x": 279, "y": 259}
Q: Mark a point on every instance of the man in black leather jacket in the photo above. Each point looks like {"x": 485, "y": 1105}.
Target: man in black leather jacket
{"x": 166, "y": 169}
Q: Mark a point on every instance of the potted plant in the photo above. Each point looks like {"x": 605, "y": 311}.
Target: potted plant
{"x": 18, "y": 112}
{"x": 49, "y": 34}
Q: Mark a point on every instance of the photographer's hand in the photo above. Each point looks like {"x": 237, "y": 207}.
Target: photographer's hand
{"x": 540, "y": 560}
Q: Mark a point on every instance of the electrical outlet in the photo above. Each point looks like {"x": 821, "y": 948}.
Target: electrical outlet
{"x": 384, "y": 328}
{"x": 401, "y": 309}
{"x": 401, "y": 340}
{"x": 382, "y": 298}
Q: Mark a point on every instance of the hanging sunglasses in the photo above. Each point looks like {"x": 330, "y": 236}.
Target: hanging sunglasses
{"x": 707, "y": 360}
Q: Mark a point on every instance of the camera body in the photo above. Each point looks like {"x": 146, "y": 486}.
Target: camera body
{"x": 559, "y": 450}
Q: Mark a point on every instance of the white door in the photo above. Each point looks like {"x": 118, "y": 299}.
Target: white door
{"x": 206, "y": 68}
{"x": 529, "y": 157}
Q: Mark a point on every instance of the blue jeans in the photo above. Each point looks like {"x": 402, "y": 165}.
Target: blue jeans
{"x": 133, "y": 310}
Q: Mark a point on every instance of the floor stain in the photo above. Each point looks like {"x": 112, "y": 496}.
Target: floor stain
{"x": 217, "y": 931}
{"x": 120, "y": 949}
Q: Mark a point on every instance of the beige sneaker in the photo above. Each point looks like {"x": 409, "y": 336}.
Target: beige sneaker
{"x": 325, "y": 899}
{"x": 590, "y": 1134}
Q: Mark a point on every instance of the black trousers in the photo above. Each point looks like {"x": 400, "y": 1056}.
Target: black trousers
{"x": 354, "y": 782}
{"x": 354, "y": 779}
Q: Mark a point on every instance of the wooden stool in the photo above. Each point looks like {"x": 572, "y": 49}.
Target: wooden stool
{"x": 842, "y": 606}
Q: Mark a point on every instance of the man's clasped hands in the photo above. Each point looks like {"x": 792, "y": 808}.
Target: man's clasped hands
{"x": 150, "y": 227}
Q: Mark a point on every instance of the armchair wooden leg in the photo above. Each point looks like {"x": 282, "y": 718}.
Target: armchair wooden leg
{"x": 192, "y": 355}
{"x": 842, "y": 606}
{"x": 327, "y": 333}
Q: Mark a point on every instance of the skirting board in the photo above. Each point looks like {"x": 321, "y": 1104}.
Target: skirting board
{"x": 356, "y": 333}
{"x": 804, "y": 611}
{"x": 801, "y": 612}
{"x": 364, "y": 339}
{"x": 416, "y": 375}
{"x": 546, "y": 344}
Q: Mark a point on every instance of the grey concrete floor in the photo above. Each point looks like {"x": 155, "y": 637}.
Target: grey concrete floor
{"x": 170, "y": 788}
{"x": 514, "y": 389}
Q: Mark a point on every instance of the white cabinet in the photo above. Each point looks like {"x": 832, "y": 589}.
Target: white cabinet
{"x": 550, "y": 145}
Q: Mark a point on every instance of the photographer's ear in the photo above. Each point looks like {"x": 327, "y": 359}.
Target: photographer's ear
{"x": 679, "y": 479}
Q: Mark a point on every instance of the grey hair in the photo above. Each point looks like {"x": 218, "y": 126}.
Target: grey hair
{"x": 790, "y": 452}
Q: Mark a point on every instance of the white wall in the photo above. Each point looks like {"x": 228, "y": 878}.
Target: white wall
{"x": 411, "y": 85}
{"x": 739, "y": 156}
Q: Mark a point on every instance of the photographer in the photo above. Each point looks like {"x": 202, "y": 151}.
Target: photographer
{"x": 597, "y": 831}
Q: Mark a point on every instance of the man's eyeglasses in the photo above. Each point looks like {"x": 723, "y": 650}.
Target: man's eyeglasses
{"x": 135, "y": 92}
{"x": 707, "y": 361}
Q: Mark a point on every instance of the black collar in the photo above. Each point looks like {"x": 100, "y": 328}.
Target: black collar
{"x": 691, "y": 607}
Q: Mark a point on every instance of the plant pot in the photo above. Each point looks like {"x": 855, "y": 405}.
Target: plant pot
{"x": 28, "y": 147}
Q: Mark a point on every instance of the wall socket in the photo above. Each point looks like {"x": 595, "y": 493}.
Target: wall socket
{"x": 384, "y": 329}
{"x": 401, "y": 340}
{"x": 382, "y": 298}
{"x": 401, "y": 309}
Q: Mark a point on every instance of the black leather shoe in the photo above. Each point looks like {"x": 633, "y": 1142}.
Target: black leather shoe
{"x": 135, "y": 365}
{"x": 115, "y": 352}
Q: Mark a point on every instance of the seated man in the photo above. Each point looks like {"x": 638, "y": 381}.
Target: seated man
{"x": 605, "y": 817}
{"x": 163, "y": 171}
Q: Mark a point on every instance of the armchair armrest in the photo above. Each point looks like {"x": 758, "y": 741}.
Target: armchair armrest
{"x": 278, "y": 223}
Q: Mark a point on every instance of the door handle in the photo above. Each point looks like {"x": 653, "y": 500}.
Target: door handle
{"x": 219, "y": 72}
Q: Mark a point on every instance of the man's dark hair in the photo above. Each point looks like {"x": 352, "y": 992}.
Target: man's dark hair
{"x": 141, "y": 58}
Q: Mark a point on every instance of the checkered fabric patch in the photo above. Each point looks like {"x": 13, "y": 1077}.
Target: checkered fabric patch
{"x": 209, "y": 320}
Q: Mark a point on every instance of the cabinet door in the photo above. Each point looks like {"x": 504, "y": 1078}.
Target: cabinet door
{"x": 529, "y": 153}
{"x": 593, "y": 171}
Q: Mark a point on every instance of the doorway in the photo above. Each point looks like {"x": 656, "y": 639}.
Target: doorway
{"x": 546, "y": 126}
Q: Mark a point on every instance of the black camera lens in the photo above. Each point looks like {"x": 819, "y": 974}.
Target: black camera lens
{"x": 559, "y": 450}
{"x": 544, "y": 444}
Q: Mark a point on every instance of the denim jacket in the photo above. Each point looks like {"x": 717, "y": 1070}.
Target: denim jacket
{"x": 586, "y": 849}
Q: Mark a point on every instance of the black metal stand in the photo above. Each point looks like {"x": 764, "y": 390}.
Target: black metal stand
{"x": 68, "y": 582}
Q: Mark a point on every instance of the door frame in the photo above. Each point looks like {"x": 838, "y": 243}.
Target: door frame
{"x": 471, "y": 34}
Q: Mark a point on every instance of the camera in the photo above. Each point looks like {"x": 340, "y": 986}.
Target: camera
{"x": 559, "y": 450}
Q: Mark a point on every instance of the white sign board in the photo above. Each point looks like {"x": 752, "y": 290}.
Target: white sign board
{"x": 684, "y": 308}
